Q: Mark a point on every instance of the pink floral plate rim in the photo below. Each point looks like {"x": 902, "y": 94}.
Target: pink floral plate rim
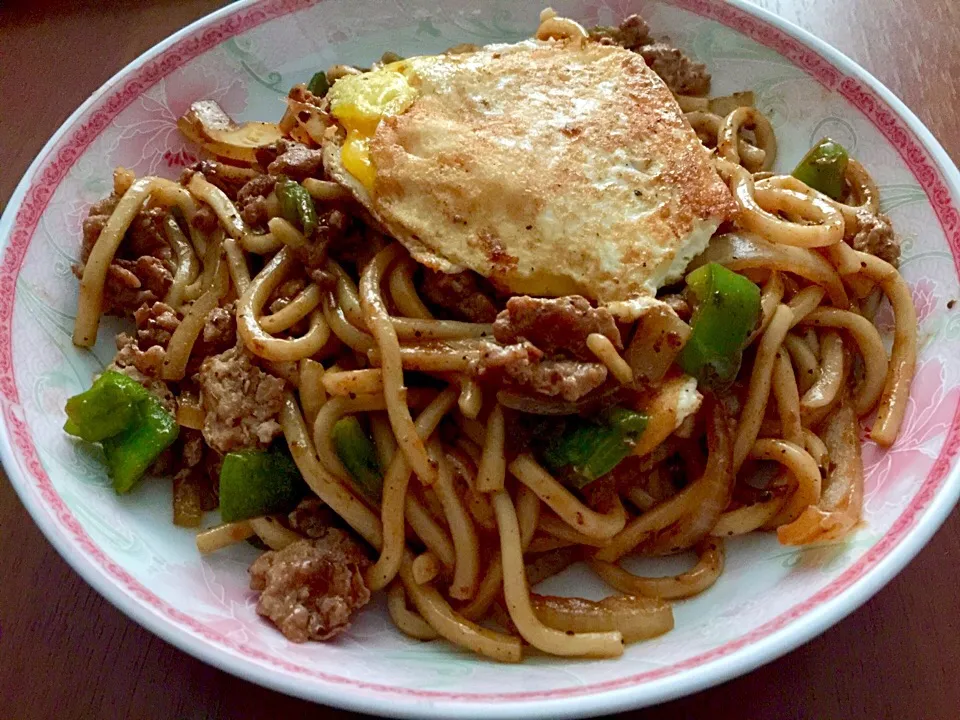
{"x": 920, "y": 152}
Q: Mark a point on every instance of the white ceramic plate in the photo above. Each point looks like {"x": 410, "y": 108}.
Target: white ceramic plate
{"x": 769, "y": 600}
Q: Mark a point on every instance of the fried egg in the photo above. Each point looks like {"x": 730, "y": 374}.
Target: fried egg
{"x": 550, "y": 167}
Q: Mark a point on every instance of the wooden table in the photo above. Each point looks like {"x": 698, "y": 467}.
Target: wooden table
{"x": 67, "y": 653}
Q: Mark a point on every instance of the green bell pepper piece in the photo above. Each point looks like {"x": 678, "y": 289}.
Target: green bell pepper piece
{"x": 132, "y": 451}
{"x": 106, "y": 409}
{"x": 358, "y": 454}
{"x": 727, "y": 311}
{"x": 127, "y": 420}
{"x": 592, "y": 448}
{"x": 823, "y": 168}
{"x": 319, "y": 84}
{"x": 296, "y": 205}
{"x": 258, "y": 482}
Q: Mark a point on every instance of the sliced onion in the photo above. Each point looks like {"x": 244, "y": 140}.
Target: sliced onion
{"x": 744, "y": 251}
{"x": 312, "y": 119}
{"x": 206, "y": 124}
{"x": 659, "y": 336}
{"x": 715, "y": 488}
{"x": 637, "y": 618}
{"x": 841, "y": 501}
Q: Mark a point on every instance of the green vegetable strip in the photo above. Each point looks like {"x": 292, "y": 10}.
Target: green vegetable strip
{"x": 727, "y": 311}
{"x": 258, "y": 482}
{"x": 296, "y": 205}
{"x": 319, "y": 84}
{"x": 358, "y": 454}
{"x": 591, "y": 449}
{"x": 130, "y": 423}
{"x": 574, "y": 446}
{"x": 106, "y": 409}
{"x": 824, "y": 168}
{"x": 626, "y": 421}
{"x": 130, "y": 453}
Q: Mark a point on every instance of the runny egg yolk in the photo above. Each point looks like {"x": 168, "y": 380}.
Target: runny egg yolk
{"x": 359, "y": 103}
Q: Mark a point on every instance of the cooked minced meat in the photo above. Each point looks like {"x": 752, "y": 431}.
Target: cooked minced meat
{"x": 218, "y": 174}
{"x": 555, "y": 325}
{"x": 285, "y": 293}
{"x": 459, "y": 295}
{"x": 875, "y": 235}
{"x": 241, "y": 401}
{"x": 252, "y": 200}
{"x": 218, "y": 335}
{"x": 142, "y": 269}
{"x": 146, "y": 349}
{"x": 333, "y": 226}
{"x": 521, "y": 365}
{"x": 132, "y": 283}
{"x": 220, "y": 328}
{"x": 680, "y": 73}
{"x": 632, "y": 34}
{"x": 568, "y": 379}
{"x": 312, "y": 589}
{"x": 495, "y": 358}
{"x": 296, "y": 161}
{"x": 313, "y": 517}
{"x": 205, "y": 220}
{"x": 291, "y": 158}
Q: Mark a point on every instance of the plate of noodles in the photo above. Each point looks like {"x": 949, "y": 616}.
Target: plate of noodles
{"x": 481, "y": 359}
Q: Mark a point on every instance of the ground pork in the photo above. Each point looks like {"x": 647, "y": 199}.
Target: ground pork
{"x": 220, "y": 328}
{"x": 94, "y": 223}
{"x": 680, "y": 73}
{"x": 312, "y": 589}
{"x": 219, "y": 334}
{"x": 285, "y": 292}
{"x": 522, "y": 365}
{"x": 132, "y": 283}
{"x": 205, "y": 220}
{"x": 494, "y": 359}
{"x": 632, "y": 34}
{"x": 875, "y": 235}
{"x": 312, "y": 517}
{"x": 290, "y": 158}
{"x": 252, "y": 200}
{"x": 569, "y": 379}
{"x": 555, "y": 325}
{"x": 142, "y": 270}
{"x": 146, "y": 237}
{"x": 146, "y": 348}
{"x": 216, "y": 174}
{"x": 333, "y": 226}
{"x": 241, "y": 401}
{"x": 459, "y": 295}
{"x": 155, "y": 325}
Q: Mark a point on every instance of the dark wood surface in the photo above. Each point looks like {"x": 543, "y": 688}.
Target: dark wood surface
{"x": 67, "y": 653}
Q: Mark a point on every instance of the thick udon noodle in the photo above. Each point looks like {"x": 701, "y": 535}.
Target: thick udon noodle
{"x": 462, "y": 530}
